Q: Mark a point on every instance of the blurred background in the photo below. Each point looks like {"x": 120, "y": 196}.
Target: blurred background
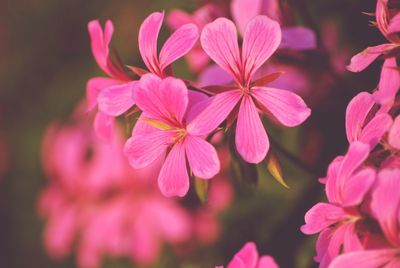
{"x": 45, "y": 62}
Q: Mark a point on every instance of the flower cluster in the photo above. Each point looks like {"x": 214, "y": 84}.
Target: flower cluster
{"x": 359, "y": 224}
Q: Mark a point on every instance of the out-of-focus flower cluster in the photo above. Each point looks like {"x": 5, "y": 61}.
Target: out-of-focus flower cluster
{"x": 359, "y": 224}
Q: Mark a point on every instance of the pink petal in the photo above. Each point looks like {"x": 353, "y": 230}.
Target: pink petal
{"x": 164, "y": 100}
{"x": 104, "y": 126}
{"x": 174, "y": 179}
{"x": 100, "y": 43}
{"x": 357, "y": 186}
{"x": 218, "y": 108}
{"x": 219, "y": 41}
{"x": 243, "y": 11}
{"x": 394, "y": 134}
{"x": 394, "y": 25}
{"x": 144, "y": 149}
{"x": 351, "y": 241}
{"x": 261, "y": 39}
{"x": 176, "y": 18}
{"x": 389, "y": 82}
{"x": 356, "y": 155}
{"x": 363, "y": 59}
{"x": 194, "y": 109}
{"x": 94, "y": 86}
{"x": 356, "y": 113}
{"x": 267, "y": 262}
{"x": 365, "y": 259}
{"x": 287, "y": 107}
{"x": 178, "y": 44}
{"x": 202, "y": 156}
{"x": 375, "y": 129}
{"x": 322, "y": 216}
{"x": 299, "y": 38}
{"x": 214, "y": 75}
{"x": 116, "y": 100}
{"x": 247, "y": 257}
{"x": 251, "y": 139}
{"x": 148, "y": 36}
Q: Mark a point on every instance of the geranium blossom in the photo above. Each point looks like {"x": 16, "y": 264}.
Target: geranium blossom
{"x": 166, "y": 105}
{"x": 248, "y": 257}
{"x": 261, "y": 38}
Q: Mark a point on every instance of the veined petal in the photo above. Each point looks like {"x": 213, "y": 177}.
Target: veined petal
{"x": 94, "y": 86}
{"x": 219, "y": 41}
{"x": 116, "y": 100}
{"x": 298, "y": 37}
{"x": 142, "y": 150}
{"x": 148, "y": 36}
{"x": 321, "y": 216}
{"x": 165, "y": 100}
{"x": 363, "y": 59}
{"x": 356, "y": 113}
{"x": 243, "y": 11}
{"x": 375, "y": 129}
{"x": 202, "y": 156}
{"x": 251, "y": 139}
{"x": 104, "y": 126}
{"x": 174, "y": 179}
{"x": 261, "y": 39}
{"x": 389, "y": 82}
{"x": 218, "y": 108}
{"x": 193, "y": 109}
{"x": 246, "y": 257}
{"x": 394, "y": 134}
{"x": 357, "y": 186}
{"x": 287, "y": 107}
{"x": 365, "y": 259}
{"x": 178, "y": 44}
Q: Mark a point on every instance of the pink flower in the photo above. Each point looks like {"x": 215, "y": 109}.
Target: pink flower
{"x": 261, "y": 39}
{"x": 385, "y": 208}
{"x": 176, "y": 46}
{"x": 293, "y": 37}
{"x": 113, "y": 95}
{"x": 389, "y": 83}
{"x": 362, "y": 124}
{"x": 165, "y": 104}
{"x": 248, "y": 257}
{"x": 347, "y": 184}
{"x": 394, "y": 134}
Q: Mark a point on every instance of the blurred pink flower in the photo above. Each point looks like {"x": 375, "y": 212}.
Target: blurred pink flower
{"x": 394, "y": 134}
{"x": 261, "y": 39}
{"x": 362, "y": 124}
{"x": 103, "y": 209}
{"x": 385, "y": 209}
{"x": 389, "y": 82}
{"x": 167, "y": 107}
{"x": 248, "y": 257}
{"x": 347, "y": 184}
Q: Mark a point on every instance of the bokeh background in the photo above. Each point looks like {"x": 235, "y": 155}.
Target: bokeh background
{"x": 45, "y": 62}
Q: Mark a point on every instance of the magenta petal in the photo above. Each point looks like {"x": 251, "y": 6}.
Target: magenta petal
{"x": 287, "y": 107}
{"x": 394, "y": 134}
{"x": 389, "y": 82}
{"x": 244, "y": 10}
{"x": 321, "y": 216}
{"x": 174, "y": 179}
{"x": 365, "y": 259}
{"x": 357, "y": 186}
{"x": 261, "y": 39}
{"x": 267, "y": 262}
{"x": 194, "y": 109}
{"x": 251, "y": 139}
{"x": 247, "y": 257}
{"x": 218, "y": 108}
{"x": 202, "y": 156}
{"x": 94, "y": 86}
{"x": 116, "y": 100}
{"x": 356, "y": 113}
{"x": 178, "y": 44}
{"x": 100, "y": 43}
{"x": 375, "y": 129}
{"x": 363, "y": 59}
{"x": 104, "y": 126}
{"x": 299, "y": 38}
{"x": 148, "y": 36}
{"x": 144, "y": 149}
{"x": 394, "y": 25}
{"x": 164, "y": 100}
{"x": 356, "y": 155}
{"x": 176, "y": 18}
{"x": 219, "y": 41}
